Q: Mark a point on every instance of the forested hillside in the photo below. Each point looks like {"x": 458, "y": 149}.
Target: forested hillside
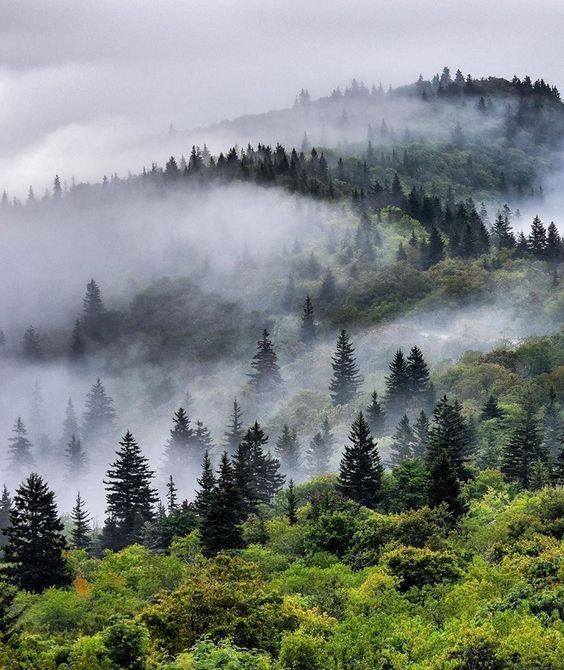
{"x": 297, "y": 405}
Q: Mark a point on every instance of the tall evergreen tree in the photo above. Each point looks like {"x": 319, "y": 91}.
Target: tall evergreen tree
{"x": 266, "y": 376}
{"x": 308, "y": 325}
{"x": 234, "y": 433}
{"x": 171, "y": 495}
{"x": 418, "y": 373}
{"x": 376, "y": 416}
{"x": 20, "y": 454}
{"x": 220, "y": 528}
{"x": 75, "y": 460}
{"x": 327, "y": 435}
{"x": 179, "y": 454}
{"x": 346, "y": 379}
{"x": 206, "y": 485}
{"x": 93, "y": 312}
{"x": 200, "y": 442}
{"x": 81, "y": 531}
{"x": 491, "y": 409}
{"x": 77, "y": 349}
{"x": 398, "y": 387}
{"x": 130, "y": 498}
{"x": 31, "y": 345}
{"x": 537, "y": 238}
{"x": 292, "y": 502}
{"x": 404, "y": 442}
{"x": 421, "y": 434}
{"x": 435, "y": 249}
{"x": 288, "y": 450}
{"x": 449, "y": 433}
{"x": 318, "y": 456}
{"x": 70, "y": 424}
{"x": 33, "y": 553}
{"x": 360, "y": 471}
{"x": 99, "y": 417}
{"x": 524, "y": 449}
{"x": 5, "y": 507}
{"x": 444, "y": 485}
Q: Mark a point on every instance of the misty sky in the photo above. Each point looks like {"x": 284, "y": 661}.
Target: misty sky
{"x": 82, "y": 82}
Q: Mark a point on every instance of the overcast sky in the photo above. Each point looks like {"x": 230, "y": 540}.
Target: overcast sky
{"x": 84, "y": 83}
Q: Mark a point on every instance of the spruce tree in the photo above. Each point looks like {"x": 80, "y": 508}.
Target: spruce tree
{"x": 308, "y": 325}
{"x": 327, "y": 435}
{"x": 318, "y": 456}
{"x": 81, "y": 531}
{"x": 93, "y": 312}
{"x": 288, "y": 450}
{"x": 537, "y": 239}
{"x": 360, "y": 470}
{"x": 200, "y": 442}
{"x": 171, "y": 495}
{"x": 70, "y": 425}
{"x": 234, "y": 433}
{"x": 75, "y": 460}
{"x": 435, "y": 249}
{"x": 491, "y": 409}
{"x": 20, "y": 454}
{"x": 130, "y": 499}
{"x": 77, "y": 349}
{"x": 418, "y": 373}
{"x": 404, "y": 442}
{"x": 398, "y": 387}
{"x": 292, "y": 504}
{"x": 376, "y": 416}
{"x": 444, "y": 485}
{"x": 31, "y": 346}
{"x": 449, "y": 433}
{"x": 346, "y": 379}
{"x": 33, "y": 553}
{"x": 179, "y": 454}
{"x": 421, "y": 434}
{"x": 524, "y": 449}
{"x": 99, "y": 417}
{"x": 5, "y": 506}
{"x": 266, "y": 376}
{"x": 206, "y": 485}
{"x": 220, "y": 528}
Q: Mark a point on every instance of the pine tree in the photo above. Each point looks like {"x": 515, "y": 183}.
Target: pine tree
{"x": 81, "y": 531}
{"x": 418, "y": 373}
{"x": 234, "y": 433}
{"x": 70, "y": 424}
{"x": 171, "y": 495}
{"x": 444, "y": 485}
{"x": 220, "y": 528}
{"x": 421, "y": 434}
{"x": 553, "y": 249}
{"x": 129, "y": 496}
{"x": 360, "y": 471}
{"x": 308, "y": 325}
{"x": 346, "y": 379}
{"x": 266, "y": 376}
{"x": 179, "y": 452}
{"x": 200, "y": 442}
{"x": 288, "y": 450}
{"x": 77, "y": 349}
{"x": 33, "y": 553}
{"x": 206, "y": 485}
{"x": 552, "y": 426}
{"x": 5, "y": 507}
{"x": 376, "y": 416}
{"x": 537, "y": 239}
{"x": 76, "y": 460}
{"x": 523, "y": 450}
{"x": 292, "y": 504}
{"x": 21, "y": 459}
{"x": 100, "y": 415}
{"x": 398, "y": 387}
{"x": 93, "y": 312}
{"x": 31, "y": 349}
{"x": 403, "y": 445}
{"x": 318, "y": 456}
{"x": 449, "y": 433}
{"x": 491, "y": 409}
